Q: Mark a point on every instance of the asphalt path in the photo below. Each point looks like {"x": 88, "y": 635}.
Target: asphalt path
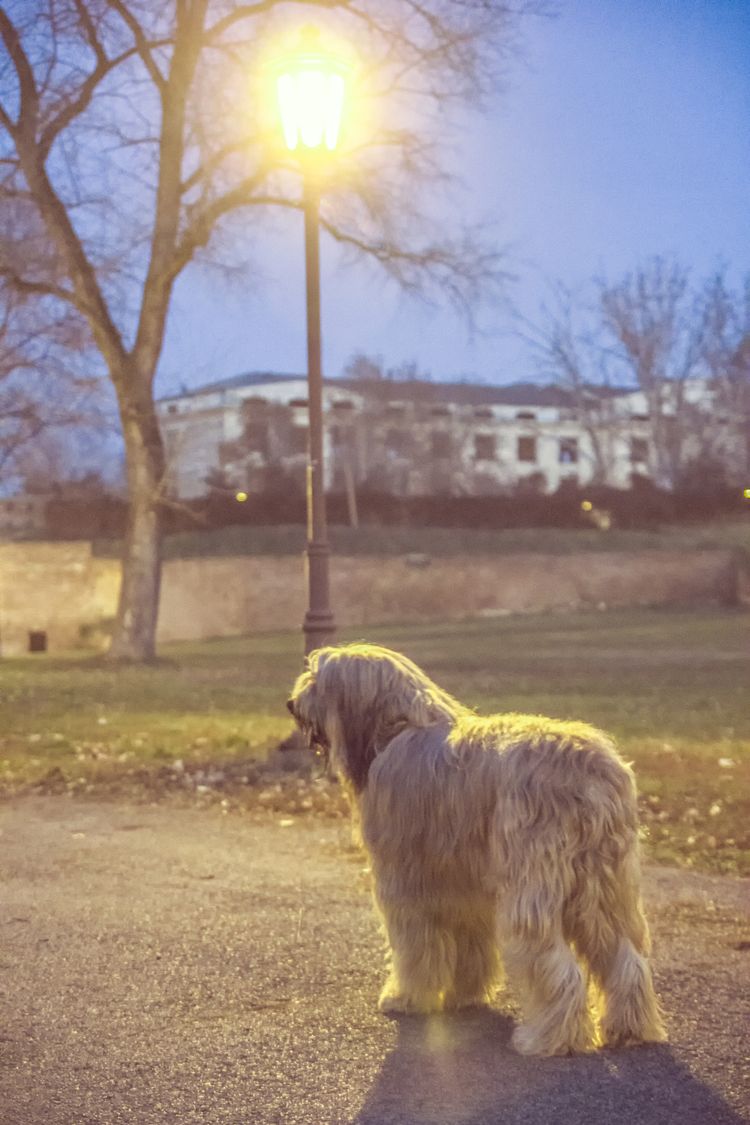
{"x": 162, "y": 964}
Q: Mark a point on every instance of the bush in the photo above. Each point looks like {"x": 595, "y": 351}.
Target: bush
{"x": 643, "y": 506}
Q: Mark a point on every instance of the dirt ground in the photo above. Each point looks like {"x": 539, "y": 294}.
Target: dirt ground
{"x": 162, "y": 964}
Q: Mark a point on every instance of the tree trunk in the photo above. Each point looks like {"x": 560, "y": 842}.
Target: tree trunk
{"x": 134, "y": 636}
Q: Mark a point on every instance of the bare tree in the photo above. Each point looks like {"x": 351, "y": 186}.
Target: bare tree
{"x": 45, "y": 386}
{"x": 568, "y": 349}
{"x": 726, "y": 354}
{"x": 370, "y": 369}
{"x": 126, "y": 125}
{"x": 683, "y": 345}
{"x": 364, "y": 367}
{"x": 657, "y": 324}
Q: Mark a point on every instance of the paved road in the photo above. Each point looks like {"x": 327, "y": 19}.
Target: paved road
{"x": 173, "y": 965}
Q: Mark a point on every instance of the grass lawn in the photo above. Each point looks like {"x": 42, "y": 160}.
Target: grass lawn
{"x": 674, "y": 687}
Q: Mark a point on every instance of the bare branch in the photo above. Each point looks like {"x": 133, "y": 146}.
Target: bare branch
{"x": 29, "y": 96}
{"x": 36, "y": 288}
{"x": 244, "y": 12}
{"x": 205, "y": 221}
{"x": 143, "y": 46}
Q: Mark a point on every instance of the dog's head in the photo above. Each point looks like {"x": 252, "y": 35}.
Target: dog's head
{"x": 352, "y": 700}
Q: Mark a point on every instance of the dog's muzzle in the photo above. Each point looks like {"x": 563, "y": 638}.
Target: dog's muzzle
{"x": 315, "y": 739}
{"x": 318, "y": 743}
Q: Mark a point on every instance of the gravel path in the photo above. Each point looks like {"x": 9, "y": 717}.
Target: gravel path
{"x": 160, "y": 964}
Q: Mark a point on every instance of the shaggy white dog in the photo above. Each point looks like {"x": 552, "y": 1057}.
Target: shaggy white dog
{"x": 512, "y": 836}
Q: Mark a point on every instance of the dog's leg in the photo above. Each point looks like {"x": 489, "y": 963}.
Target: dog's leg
{"x": 478, "y": 966}
{"x": 553, "y": 994}
{"x": 542, "y": 968}
{"x": 631, "y": 1011}
{"x": 423, "y": 959}
{"x": 612, "y": 934}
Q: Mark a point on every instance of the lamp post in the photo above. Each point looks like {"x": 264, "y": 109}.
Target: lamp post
{"x": 310, "y": 88}
{"x": 310, "y": 95}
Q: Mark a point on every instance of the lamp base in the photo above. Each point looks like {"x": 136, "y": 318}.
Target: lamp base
{"x": 319, "y": 628}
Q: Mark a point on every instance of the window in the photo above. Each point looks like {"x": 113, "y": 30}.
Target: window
{"x": 343, "y": 404}
{"x": 638, "y": 450}
{"x": 526, "y": 415}
{"x": 485, "y": 447}
{"x": 440, "y": 411}
{"x": 298, "y": 402}
{"x": 527, "y": 449}
{"x": 483, "y": 412}
{"x": 568, "y": 453}
{"x": 440, "y": 441}
{"x": 172, "y": 408}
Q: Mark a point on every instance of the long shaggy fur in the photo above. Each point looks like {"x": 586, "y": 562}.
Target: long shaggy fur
{"x": 512, "y": 836}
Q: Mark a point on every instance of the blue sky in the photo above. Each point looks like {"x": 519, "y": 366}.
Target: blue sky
{"x": 624, "y": 132}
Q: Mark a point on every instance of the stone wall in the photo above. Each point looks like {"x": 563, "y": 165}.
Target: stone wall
{"x": 62, "y": 590}
{"x": 56, "y": 588}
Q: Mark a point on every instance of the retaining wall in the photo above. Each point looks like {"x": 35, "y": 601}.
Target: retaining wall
{"x": 62, "y": 590}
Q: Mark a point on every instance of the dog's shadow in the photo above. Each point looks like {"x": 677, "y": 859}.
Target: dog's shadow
{"x": 461, "y": 1070}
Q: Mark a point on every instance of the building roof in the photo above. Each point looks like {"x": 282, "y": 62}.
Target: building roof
{"x": 235, "y": 382}
{"x": 464, "y": 392}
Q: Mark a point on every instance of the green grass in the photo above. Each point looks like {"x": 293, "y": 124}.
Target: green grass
{"x": 672, "y": 686}
{"x": 443, "y": 541}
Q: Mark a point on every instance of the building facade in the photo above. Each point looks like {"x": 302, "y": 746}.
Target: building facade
{"x": 416, "y": 437}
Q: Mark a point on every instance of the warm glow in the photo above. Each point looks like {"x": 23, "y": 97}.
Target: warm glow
{"x": 310, "y": 88}
{"x": 241, "y": 497}
{"x": 746, "y": 493}
{"x": 586, "y": 505}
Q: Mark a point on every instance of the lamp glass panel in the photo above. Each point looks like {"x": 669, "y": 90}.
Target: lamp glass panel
{"x": 310, "y": 102}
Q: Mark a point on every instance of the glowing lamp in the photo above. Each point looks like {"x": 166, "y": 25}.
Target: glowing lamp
{"x": 240, "y": 497}
{"x": 310, "y": 86}
{"x": 746, "y": 493}
{"x": 586, "y": 505}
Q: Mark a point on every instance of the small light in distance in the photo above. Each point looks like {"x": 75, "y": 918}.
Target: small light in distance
{"x": 586, "y": 505}
{"x": 240, "y": 497}
{"x": 746, "y": 493}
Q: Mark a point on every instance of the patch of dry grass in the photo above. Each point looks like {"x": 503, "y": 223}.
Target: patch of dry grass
{"x": 671, "y": 686}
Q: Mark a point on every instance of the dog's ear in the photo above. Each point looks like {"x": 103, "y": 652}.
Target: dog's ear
{"x": 349, "y": 689}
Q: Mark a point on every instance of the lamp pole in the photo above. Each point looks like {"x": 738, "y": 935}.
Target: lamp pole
{"x": 310, "y": 89}
{"x": 318, "y": 626}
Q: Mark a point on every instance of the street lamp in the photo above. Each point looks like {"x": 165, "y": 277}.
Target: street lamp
{"x": 310, "y": 87}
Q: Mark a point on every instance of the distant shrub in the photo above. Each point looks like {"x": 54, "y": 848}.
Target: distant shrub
{"x": 700, "y": 496}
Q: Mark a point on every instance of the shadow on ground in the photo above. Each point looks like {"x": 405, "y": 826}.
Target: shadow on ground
{"x": 461, "y": 1070}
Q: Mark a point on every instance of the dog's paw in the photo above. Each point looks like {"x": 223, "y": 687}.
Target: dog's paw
{"x": 455, "y": 1003}
{"x": 392, "y": 1003}
{"x": 618, "y": 1037}
{"x": 526, "y": 1040}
